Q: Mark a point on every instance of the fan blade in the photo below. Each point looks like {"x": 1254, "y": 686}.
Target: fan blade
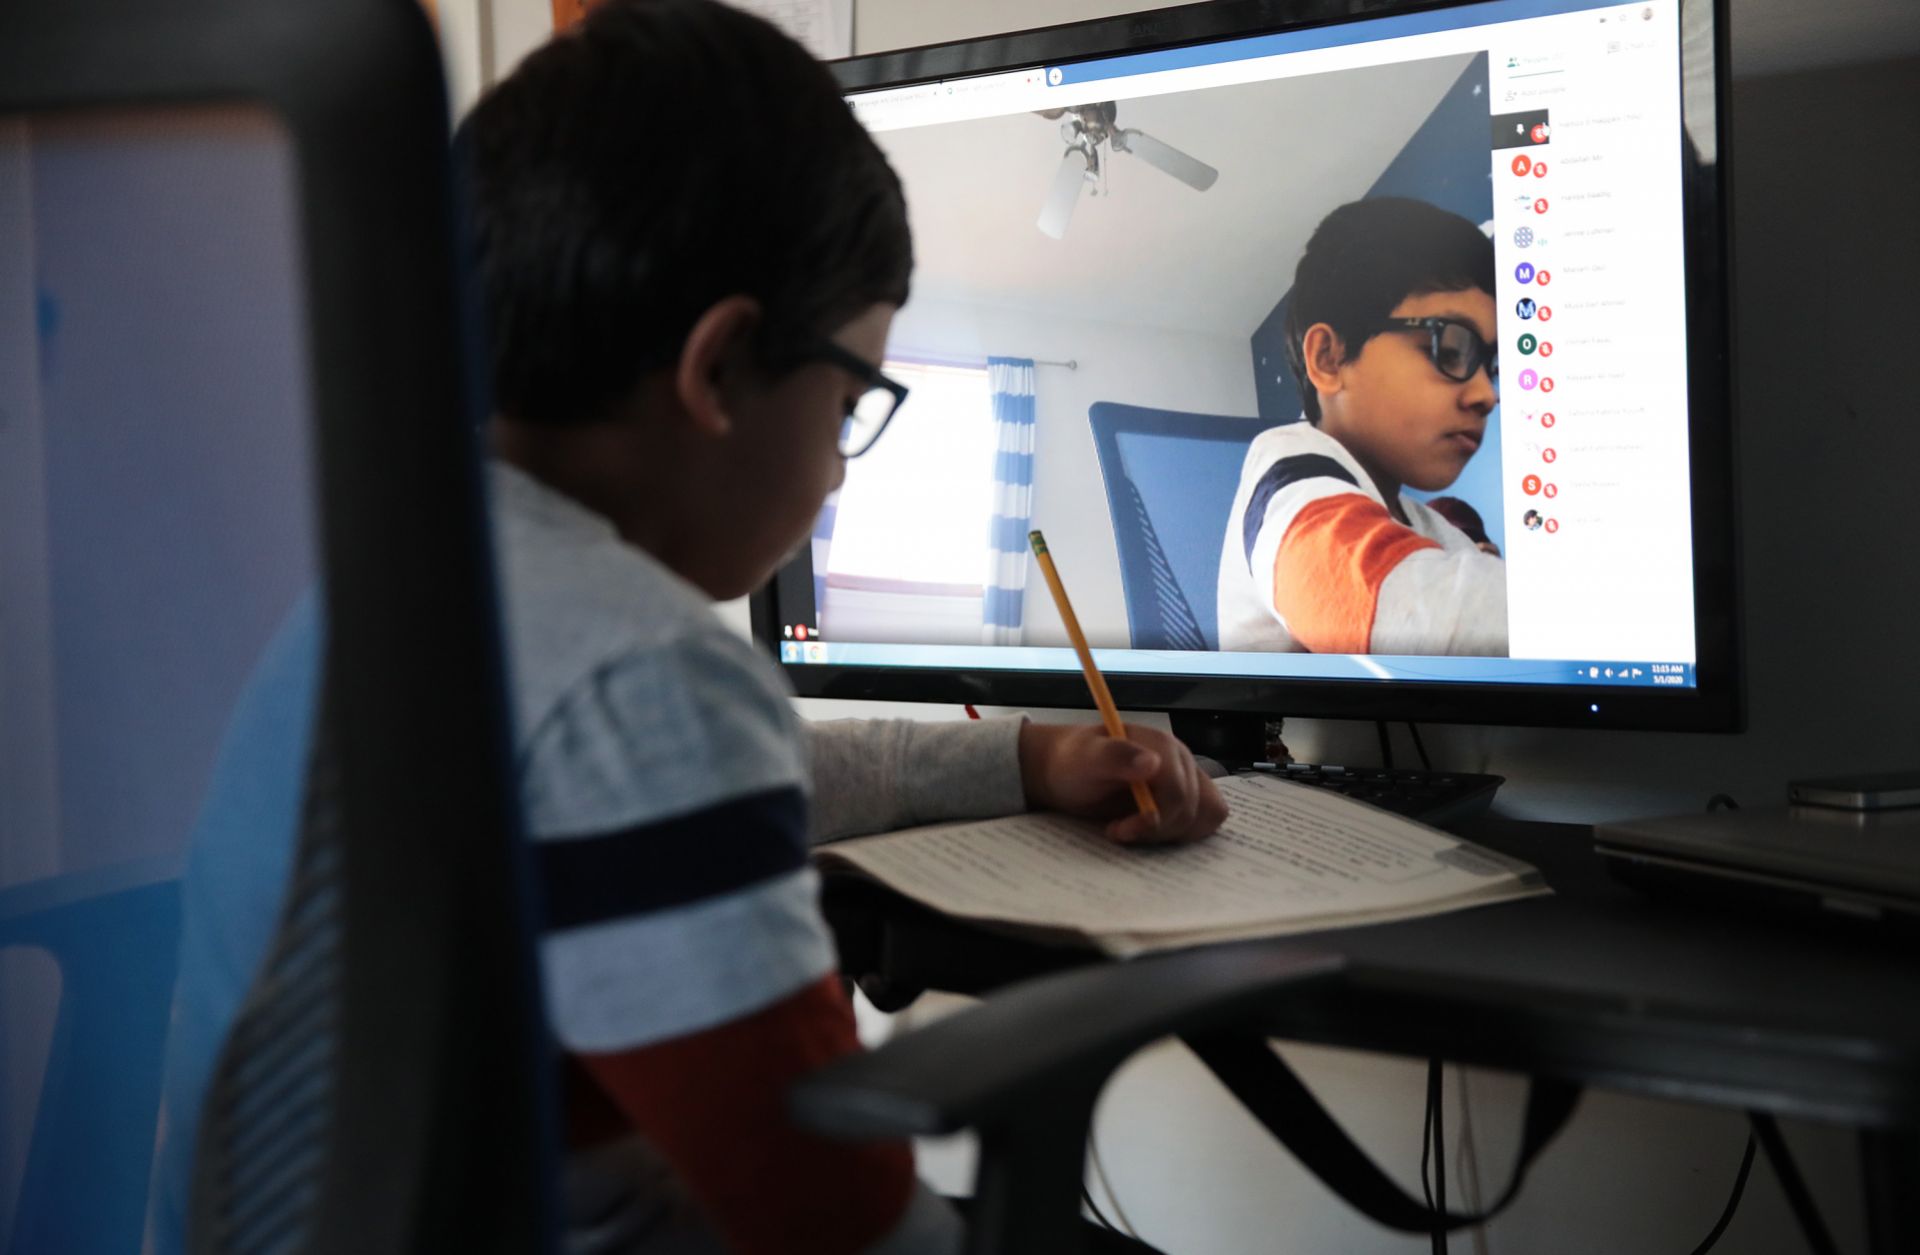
{"x": 1195, "y": 173}
{"x": 1064, "y": 194}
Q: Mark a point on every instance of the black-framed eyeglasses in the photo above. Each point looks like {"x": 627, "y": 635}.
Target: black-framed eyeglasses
{"x": 1456, "y": 349}
{"x": 868, "y": 416}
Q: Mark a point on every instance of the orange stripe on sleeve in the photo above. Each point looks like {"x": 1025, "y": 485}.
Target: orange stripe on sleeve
{"x": 1329, "y": 568}
{"x": 714, "y": 1103}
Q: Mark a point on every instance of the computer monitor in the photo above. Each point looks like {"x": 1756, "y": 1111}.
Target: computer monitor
{"x": 1102, "y": 344}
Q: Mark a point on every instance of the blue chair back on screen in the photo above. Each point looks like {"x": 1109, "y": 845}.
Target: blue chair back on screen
{"x": 1170, "y": 479}
{"x": 113, "y": 936}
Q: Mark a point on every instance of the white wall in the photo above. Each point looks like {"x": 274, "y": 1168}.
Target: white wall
{"x": 1133, "y": 365}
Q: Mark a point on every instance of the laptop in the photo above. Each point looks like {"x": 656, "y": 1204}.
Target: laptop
{"x": 1864, "y": 864}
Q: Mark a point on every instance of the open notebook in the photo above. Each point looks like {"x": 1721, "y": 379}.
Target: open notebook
{"x": 1289, "y": 859}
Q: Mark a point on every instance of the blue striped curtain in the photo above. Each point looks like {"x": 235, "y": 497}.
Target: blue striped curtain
{"x": 1010, "y": 379}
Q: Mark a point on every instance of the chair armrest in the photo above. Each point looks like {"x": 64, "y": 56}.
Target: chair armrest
{"x": 1026, "y": 1044}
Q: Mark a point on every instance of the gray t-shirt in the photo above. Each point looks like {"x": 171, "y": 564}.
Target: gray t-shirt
{"x": 672, "y": 793}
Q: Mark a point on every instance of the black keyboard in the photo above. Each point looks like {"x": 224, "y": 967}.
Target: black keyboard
{"x": 1432, "y": 797}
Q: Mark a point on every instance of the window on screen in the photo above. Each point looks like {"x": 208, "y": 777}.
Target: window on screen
{"x": 933, "y": 466}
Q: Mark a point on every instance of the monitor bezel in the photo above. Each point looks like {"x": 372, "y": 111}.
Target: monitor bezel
{"x": 1715, "y": 703}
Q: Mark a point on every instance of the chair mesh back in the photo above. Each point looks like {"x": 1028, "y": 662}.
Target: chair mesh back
{"x": 263, "y": 1135}
{"x": 1168, "y": 621}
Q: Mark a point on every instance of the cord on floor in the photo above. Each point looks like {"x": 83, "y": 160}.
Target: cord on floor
{"x": 1106, "y": 1186}
{"x": 1467, "y": 1162}
{"x": 1733, "y": 1200}
{"x": 1433, "y": 1175}
{"x": 1791, "y": 1183}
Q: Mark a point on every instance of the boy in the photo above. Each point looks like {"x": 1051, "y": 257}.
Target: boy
{"x": 691, "y": 253}
{"x": 1390, "y": 330}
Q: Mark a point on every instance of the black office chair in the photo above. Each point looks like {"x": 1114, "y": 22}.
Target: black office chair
{"x": 422, "y": 1118}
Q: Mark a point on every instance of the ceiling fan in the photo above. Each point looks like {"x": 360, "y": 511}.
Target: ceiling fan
{"x": 1086, "y": 128}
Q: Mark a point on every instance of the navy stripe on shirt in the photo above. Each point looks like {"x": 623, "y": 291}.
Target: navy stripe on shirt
{"x": 1286, "y": 471}
{"x": 649, "y": 867}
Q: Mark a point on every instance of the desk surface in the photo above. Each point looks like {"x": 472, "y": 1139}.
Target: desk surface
{"x": 1597, "y": 984}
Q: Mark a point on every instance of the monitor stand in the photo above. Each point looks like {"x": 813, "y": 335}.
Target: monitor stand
{"x": 1234, "y": 739}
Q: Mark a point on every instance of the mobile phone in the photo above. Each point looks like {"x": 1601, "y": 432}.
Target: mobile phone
{"x": 1874, "y": 791}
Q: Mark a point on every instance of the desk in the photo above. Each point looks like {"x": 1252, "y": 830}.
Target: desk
{"x": 1596, "y": 984}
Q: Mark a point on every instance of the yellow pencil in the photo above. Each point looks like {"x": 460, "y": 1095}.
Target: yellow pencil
{"x": 1109, "y": 713}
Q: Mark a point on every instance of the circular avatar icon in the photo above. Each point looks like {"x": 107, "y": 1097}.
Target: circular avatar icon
{"x": 1528, "y": 344}
{"x": 1548, "y": 455}
{"x": 1523, "y": 273}
{"x": 1553, "y": 525}
{"x": 1539, "y": 133}
{"x": 1546, "y": 348}
{"x": 1530, "y": 485}
{"x": 1543, "y": 278}
{"x": 1525, "y": 307}
{"x": 1540, "y": 206}
{"x": 1546, "y": 385}
{"x": 1548, "y": 419}
{"x": 1539, "y": 169}
{"x": 1552, "y": 490}
{"x": 1528, "y": 379}
{"x": 1546, "y": 313}
{"x": 1522, "y": 164}
{"x": 1523, "y": 238}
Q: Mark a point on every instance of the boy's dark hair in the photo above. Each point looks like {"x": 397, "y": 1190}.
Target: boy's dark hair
{"x": 1368, "y": 256}
{"x": 660, "y": 156}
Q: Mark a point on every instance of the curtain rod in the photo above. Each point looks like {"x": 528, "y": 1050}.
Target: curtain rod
{"x": 973, "y": 363}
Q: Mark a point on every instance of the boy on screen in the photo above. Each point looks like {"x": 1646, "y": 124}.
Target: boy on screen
{"x": 1390, "y": 334}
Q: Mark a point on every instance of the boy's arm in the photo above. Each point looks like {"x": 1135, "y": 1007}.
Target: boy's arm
{"x": 1346, "y": 578}
{"x": 875, "y": 775}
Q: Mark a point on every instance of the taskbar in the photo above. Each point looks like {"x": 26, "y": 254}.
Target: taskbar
{"x": 1583, "y": 673}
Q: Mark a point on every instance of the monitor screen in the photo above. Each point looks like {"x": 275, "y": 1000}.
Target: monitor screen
{"x": 1370, "y": 367}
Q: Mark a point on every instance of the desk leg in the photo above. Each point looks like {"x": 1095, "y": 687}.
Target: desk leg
{"x": 1890, "y": 1167}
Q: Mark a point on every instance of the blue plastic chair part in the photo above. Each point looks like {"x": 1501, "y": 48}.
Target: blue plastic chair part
{"x": 114, "y": 934}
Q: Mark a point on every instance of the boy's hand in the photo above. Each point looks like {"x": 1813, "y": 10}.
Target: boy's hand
{"x": 1077, "y": 769}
